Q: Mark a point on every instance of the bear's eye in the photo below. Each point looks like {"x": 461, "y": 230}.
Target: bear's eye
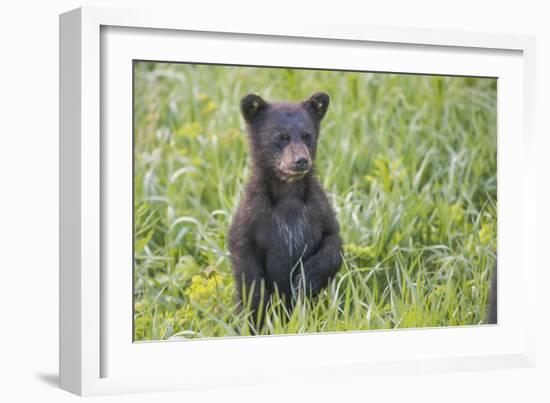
{"x": 306, "y": 137}
{"x": 282, "y": 137}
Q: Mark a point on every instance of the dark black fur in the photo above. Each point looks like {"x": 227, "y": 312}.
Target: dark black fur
{"x": 284, "y": 214}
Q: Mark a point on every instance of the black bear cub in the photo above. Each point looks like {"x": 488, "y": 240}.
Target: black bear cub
{"x": 284, "y": 214}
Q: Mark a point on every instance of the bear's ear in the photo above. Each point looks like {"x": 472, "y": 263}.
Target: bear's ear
{"x": 317, "y": 105}
{"x": 251, "y": 106}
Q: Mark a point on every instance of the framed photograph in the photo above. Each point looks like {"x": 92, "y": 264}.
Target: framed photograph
{"x": 243, "y": 203}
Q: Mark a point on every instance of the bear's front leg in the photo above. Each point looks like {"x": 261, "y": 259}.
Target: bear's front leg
{"x": 319, "y": 268}
{"x": 250, "y": 281}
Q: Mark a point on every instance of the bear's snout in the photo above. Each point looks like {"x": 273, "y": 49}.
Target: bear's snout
{"x": 295, "y": 161}
{"x": 301, "y": 164}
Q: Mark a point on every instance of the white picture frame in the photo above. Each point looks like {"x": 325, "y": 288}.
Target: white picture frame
{"x": 97, "y": 355}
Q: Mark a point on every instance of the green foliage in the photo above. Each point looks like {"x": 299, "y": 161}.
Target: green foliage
{"x": 408, "y": 161}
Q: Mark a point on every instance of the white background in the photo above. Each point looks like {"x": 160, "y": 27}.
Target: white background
{"x": 29, "y": 188}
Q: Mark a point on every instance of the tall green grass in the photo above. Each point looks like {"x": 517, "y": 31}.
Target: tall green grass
{"x": 409, "y": 163}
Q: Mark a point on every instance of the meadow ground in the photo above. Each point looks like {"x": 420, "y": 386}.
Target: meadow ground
{"x": 409, "y": 163}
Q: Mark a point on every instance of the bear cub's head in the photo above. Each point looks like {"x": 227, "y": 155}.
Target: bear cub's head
{"x": 283, "y": 135}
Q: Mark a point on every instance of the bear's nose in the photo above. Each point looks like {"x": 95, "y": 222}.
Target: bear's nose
{"x": 302, "y": 164}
